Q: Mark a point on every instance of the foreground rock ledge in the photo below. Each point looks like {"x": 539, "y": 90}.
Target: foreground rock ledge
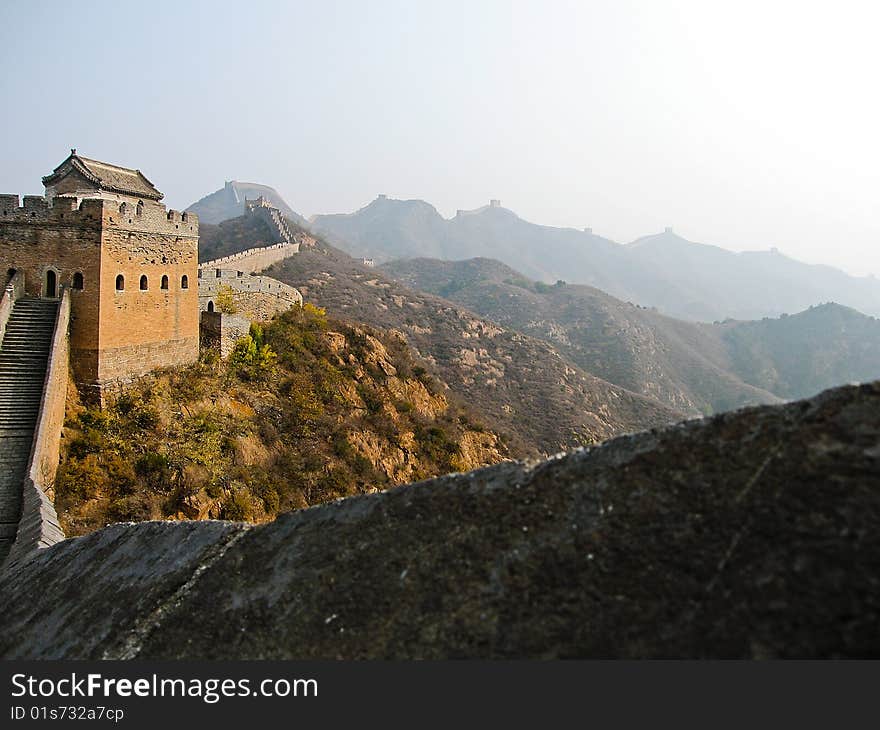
{"x": 752, "y": 534}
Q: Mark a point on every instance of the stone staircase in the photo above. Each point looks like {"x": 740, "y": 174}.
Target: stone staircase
{"x": 280, "y": 225}
{"x": 24, "y": 354}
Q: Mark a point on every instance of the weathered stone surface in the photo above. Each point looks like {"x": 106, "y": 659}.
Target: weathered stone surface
{"x": 752, "y": 534}
{"x": 99, "y": 595}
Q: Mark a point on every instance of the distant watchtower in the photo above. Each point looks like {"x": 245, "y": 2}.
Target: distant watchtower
{"x": 130, "y": 264}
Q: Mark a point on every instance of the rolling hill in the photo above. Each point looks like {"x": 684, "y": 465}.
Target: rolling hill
{"x": 537, "y": 399}
{"x": 690, "y": 366}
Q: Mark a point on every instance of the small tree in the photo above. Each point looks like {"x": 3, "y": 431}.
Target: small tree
{"x": 224, "y": 300}
{"x": 251, "y": 357}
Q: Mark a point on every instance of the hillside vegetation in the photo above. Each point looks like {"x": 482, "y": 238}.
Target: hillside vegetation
{"x": 800, "y": 355}
{"x": 308, "y": 410}
{"x": 695, "y": 367}
{"x": 539, "y": 400}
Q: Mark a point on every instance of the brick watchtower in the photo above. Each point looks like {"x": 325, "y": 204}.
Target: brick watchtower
{"x": 130, "y": 264}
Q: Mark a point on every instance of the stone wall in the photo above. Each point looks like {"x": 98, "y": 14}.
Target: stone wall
{"x": 257, "y": 297}
{"x": 38, "y": 526}
{"x": 66, "y": 239}
{"x": 221, "y": 331}
{"x": 157, "y": 326}
{"x": 254, "y": 259}
{"x": 116, "y": 335}
{"x": 14, "y": 289}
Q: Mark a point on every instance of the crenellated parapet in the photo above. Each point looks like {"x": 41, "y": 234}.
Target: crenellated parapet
{"x": 35, "y": 209}
{"x": 253, "y": 259}
{"x": 142, "y": 216}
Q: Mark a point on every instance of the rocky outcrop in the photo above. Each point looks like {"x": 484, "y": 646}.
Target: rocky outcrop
{"x": 751, "y": 534}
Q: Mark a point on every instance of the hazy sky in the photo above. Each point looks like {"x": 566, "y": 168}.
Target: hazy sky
{"x": 748, "y": 125}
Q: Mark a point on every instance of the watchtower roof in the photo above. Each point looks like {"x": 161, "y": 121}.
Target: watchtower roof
{"x": 105, "y": 176}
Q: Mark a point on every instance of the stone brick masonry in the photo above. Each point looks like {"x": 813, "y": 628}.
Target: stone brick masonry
{"x": 132, "y": 271}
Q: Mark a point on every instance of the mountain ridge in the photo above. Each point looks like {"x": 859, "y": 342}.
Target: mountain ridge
{"x": 695, "y": 367}
{"x": 695, "y": 281}
{"x": 228, "y": 202}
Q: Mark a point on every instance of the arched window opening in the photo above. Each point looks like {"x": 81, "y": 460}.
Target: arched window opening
{"x": 11, "y": 272}
{"x": 122, "y": 208}
{"x": 210, "y": 306}
{"x": 143, "y": 282}
{"x": 51, "y": 289}
{"x": 184, "y": 282}
{"x": 140, "y": 207}
{"x": 78, "y": 281}
{"x": 120, "y": 283}
{"x": 164, "y": 284}
{"x": 184, "y": 217}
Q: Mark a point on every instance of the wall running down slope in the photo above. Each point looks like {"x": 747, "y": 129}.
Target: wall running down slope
{"x": 38, "y": 526}
{"x": 750, "y": 534}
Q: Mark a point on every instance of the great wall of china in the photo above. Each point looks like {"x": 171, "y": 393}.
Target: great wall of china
{"x": 253, "y": 297}
{"x": 35, "y": 361}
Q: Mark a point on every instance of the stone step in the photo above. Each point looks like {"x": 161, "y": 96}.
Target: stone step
{"x": 24, "y": 352}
